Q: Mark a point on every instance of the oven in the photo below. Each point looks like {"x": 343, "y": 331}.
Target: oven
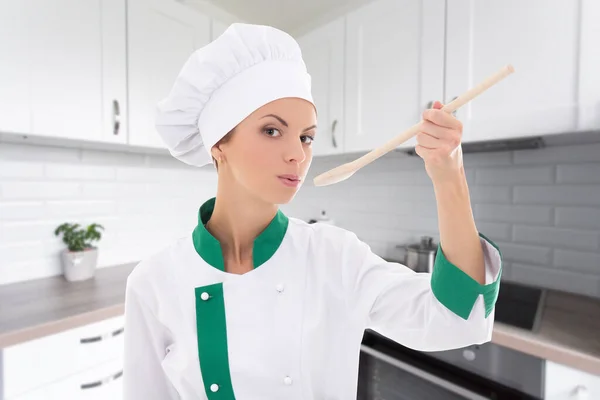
{"x": 390, "y": 371}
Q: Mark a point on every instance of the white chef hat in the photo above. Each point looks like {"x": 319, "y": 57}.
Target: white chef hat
{"x": 223, "y": 82}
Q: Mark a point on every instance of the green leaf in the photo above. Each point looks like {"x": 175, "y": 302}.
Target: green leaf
{"x": 76, "y": 238}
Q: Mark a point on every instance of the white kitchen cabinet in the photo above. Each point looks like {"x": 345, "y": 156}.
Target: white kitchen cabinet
{"x": 102, "y": 382}
{"x": 115, "y": 112}
{"x": 588, "y": 94}
{"x": 323, "y": 53}
{"x": 15, "y": 108}
{"x": 551, "y": 44}
{"x": 162, "y": 34}
{"x": 566, "y": 383}
{"x": 394, "y": 68}
{"x": 217, "y": 27}
{"x": 38, "y": 363}
{"x": 74, "y": 60}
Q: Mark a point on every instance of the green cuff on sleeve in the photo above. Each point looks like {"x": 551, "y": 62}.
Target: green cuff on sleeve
{"x": 457, "y": 291}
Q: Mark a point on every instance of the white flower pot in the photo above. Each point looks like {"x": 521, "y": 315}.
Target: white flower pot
{"x": 79, "y": 265}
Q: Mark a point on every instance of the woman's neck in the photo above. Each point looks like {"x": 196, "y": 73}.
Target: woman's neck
{"x": 237, "y": 219}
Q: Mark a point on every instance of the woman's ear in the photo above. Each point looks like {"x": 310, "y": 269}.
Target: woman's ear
{"x": 217, "y": 153}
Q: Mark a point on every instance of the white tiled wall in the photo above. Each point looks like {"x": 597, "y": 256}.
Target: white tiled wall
{"x": 541, "y": 206}
{"x": 142, "y": 201}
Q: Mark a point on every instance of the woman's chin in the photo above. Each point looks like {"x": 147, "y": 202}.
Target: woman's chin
{"x": 283, "y": 196}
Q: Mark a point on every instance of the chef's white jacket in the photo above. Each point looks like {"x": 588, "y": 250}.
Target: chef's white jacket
{"x": 292, "y": 327}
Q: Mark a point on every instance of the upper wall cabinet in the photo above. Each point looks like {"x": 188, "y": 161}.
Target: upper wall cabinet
{"x": 63, "y": 69}
{"x": 162, "y": 34}
{"x": 556, "y": 86}
{"x": 217, "y": 28}
{"x": 15, "y": 108}
{"x": 323, "y": 52}
{"x": 394, "y": 68}
{"x": 588, "y": 94}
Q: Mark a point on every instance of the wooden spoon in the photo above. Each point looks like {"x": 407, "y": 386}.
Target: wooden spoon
{"x": 345, "y": 171}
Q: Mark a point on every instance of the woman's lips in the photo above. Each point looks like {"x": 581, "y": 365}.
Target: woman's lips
{"x": 290, "y": 180}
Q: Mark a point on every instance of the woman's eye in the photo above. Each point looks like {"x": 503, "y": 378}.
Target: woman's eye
{"x": 307, "y": 139}
{"x": 272, "y": 132}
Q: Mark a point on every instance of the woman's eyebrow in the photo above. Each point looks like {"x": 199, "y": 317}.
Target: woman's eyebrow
{"x": 282, "y": 121}
{"x": 278, "y": 118}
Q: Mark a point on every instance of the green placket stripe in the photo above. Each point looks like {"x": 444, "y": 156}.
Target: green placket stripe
{"x": 212, "y": 342}
{"x": 457, "y": 291}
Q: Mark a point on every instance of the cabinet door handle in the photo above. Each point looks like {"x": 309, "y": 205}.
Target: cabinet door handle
{"x": 333, "y": 141}
{"x": 98, "y": 338}
{"x": 101, "y": 382}
{"x": 581, "y": 393}
{"x": 116, "y": 117}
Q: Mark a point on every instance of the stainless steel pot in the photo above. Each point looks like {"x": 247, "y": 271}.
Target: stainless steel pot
{"x": 421, "y": 256}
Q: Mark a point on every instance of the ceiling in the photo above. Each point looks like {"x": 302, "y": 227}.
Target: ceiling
{"x": 293, "y": 16}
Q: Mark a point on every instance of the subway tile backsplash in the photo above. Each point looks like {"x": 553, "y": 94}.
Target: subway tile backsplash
{"x": 541, "y": 206}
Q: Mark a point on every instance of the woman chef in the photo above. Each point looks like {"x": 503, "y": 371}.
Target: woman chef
{"x": 256, "y": 305}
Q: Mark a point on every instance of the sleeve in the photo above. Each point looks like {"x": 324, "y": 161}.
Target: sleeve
{"x": 146, "y": 341}
{"x": 437, "y": 311}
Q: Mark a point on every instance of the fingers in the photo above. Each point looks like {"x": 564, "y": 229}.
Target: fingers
{"x": 442, "y": 118}
{"x": 423, "y": 152}
{"x": 439, "y": 132}
{"x": 437, "y": 105}
{"x": 428, "y": 141}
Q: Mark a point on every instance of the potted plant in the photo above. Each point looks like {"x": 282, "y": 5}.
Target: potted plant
{"x": 80, "y": 257}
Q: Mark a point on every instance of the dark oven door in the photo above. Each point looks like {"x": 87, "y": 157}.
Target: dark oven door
{"x": 389, "y": 371}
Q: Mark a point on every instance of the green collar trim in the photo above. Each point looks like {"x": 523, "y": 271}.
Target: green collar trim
{"x": 265, "y": 244}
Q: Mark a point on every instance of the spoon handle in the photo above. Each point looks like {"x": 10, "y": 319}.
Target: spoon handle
{"x": 450, "y": 107}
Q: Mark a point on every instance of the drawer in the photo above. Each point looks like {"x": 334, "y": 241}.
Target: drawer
{"x": 99, "y": 342}
{"x": 566, "y": 383}
{"x": 103, "y": 382}
{"x": 45, "y": 360}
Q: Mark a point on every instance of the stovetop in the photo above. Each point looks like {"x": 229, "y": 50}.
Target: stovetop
{"x": 520, "y": 305}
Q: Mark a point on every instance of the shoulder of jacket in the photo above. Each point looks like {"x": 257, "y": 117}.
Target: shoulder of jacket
{"x": 323, "y": 232}
{"x": 155, "y": 268}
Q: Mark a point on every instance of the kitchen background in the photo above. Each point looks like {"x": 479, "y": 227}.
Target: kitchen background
{"x": 79, "y": 81}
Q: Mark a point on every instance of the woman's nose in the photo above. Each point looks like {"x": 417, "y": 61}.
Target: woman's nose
{"x": 295, "y": 151}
